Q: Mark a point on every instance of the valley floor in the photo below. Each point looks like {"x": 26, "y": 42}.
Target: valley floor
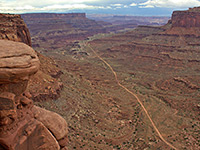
{"x": 102, "y": 115}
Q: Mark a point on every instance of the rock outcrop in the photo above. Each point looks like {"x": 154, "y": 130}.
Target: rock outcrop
{"x": 186, "y": 19}
{"x": 12, "y": 27}
{"x": 185, "y": 22}
{"x": 54, "y": 122}
{"x": 23, "y": 125}
{"x": 44, "y": 85}
{"x": 18, "y": 62}
{"x": 183, "y": 30}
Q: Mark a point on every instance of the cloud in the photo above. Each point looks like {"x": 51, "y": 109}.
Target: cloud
{"x": 170, "y": 3}
{"x": 72, "y": 7}
{"x": 133, "y": 4}
{"x": 44, "y": 2}
{"x": 23, "y": 6}
{"x": 117, "y": 5}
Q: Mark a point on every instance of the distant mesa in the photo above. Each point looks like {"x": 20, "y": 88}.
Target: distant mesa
{"x": 195, "y": 9}
{"x": 186, "y": 19}
{"x": 51, "y": 15}
{"x": 186, "y": 22}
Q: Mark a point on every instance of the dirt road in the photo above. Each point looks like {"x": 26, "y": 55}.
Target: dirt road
{"x": 139, "y": 101}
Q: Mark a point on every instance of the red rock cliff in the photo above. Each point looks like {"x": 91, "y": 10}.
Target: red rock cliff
{"x": 12, "y": 27}
{"x": 185, "y": 22}
{"x": 186, "y": 19}
{"x": 54, "y": 15}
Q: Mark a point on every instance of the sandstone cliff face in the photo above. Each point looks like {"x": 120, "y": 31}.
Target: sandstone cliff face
{"x": 42, "y": 23}
{"x": 12, "y": 27}
{"x": 44, "y": 85}
{"x": 182, "y": 30}
{"x": 21, "y": 124}
{"x": 186, "y": 19}
{"x": 52, "y": 31}
{"x": 54, "y": 15}
{"x": 185, "y": 22}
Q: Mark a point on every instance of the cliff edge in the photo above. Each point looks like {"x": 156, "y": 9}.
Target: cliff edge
{"x": 12, "y": 27}
{"x": 185, "y": 22}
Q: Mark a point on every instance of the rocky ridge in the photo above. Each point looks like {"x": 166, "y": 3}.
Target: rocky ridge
{"x": 59, "y": 29}
{"x": 23, "y": 125}
{"x": 12, "y": 27}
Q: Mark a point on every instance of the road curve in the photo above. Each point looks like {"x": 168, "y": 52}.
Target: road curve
{"x": 139, "y": 101}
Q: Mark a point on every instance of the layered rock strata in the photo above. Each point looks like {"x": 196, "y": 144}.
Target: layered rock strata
{"x": 24, "y": 126}
{"x": 12, "y": 27}
{"x": 185, "y": 22}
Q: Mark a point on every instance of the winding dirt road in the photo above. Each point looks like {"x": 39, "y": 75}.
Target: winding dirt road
{"x": 139, "y": 101}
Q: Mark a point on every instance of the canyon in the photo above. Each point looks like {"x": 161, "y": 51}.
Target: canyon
{"x": 159, "y": 64}
{"x": 55, "y": 31}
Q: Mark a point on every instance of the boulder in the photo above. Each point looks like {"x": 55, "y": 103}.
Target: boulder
{"x": 18, "y": 62}
{"x": 54, "y": 122}
{"x": 36, "y": 137}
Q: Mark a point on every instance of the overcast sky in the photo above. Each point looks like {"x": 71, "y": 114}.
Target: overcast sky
{"x": 131, "y": 7}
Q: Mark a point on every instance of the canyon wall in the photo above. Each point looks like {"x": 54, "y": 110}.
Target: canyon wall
{"x": 54, "y": 15}
{"x": 186, "y": 19}
{"x": 185, "y": 22}
{"x": 12, "y": 27}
